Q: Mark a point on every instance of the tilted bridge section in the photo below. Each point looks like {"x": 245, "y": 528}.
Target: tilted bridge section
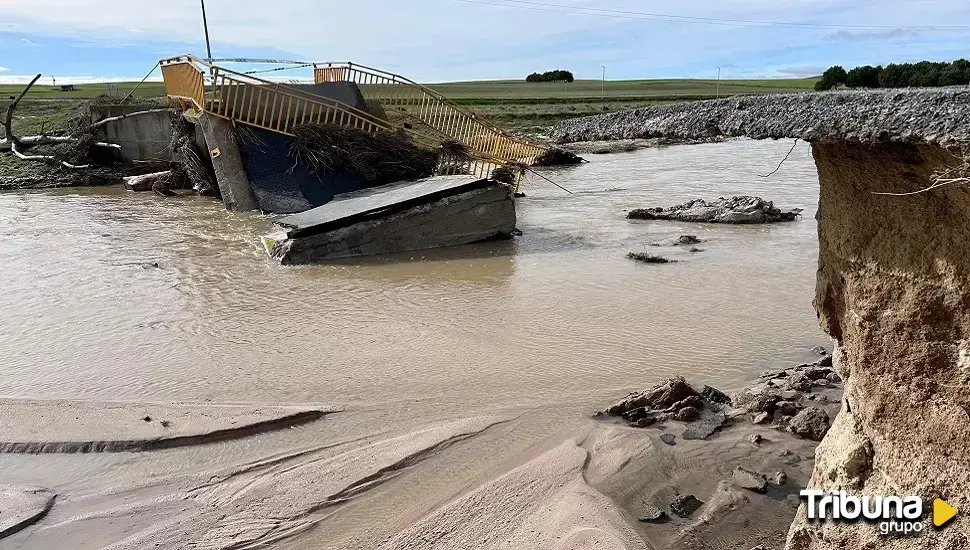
{"x": 424, "y": 114}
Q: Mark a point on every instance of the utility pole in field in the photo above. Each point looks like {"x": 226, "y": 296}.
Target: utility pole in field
{"x": 718, "y": 87}
{"x": 603, "y": 83}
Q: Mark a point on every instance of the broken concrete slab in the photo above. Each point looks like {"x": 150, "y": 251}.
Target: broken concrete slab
{"x": 431, "y": 213}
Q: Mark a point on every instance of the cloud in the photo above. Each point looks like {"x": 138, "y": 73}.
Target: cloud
{"x": 802, "y": 72}
{"x": 435, "y": 40}
{"x": 3, "y": 69}
{"x": 851, "y": 36}
{"x": 28, "y": 42}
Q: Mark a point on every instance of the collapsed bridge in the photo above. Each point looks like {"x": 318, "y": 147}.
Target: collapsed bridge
{"x": 257, "y": 173}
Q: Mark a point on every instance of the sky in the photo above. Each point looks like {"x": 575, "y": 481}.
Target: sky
{"x": 448, "y": 40}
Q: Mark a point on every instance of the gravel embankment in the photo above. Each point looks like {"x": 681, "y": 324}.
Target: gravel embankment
{"x": 939, "y": 115}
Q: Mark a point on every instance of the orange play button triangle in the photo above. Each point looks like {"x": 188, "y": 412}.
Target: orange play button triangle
{"x": 942, "y": 512}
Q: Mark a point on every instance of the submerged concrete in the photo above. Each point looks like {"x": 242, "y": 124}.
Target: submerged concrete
{"x": 433, "y": 213}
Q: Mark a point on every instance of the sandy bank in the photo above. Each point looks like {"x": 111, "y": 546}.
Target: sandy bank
{"x": 91, "y": 427}
{"x": 22, "y": 505}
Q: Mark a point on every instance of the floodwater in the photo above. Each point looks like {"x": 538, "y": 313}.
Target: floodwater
{"x": 109, "y": 295}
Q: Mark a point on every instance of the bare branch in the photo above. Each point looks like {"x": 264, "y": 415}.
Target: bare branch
{"x": 8, "y": 119}
{"x": 959, "y": 174}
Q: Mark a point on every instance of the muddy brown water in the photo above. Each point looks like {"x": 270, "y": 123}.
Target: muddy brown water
{"x": 109, "y": 295}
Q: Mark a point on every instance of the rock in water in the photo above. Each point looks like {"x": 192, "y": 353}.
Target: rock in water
{"x": 648, "y": 258}
{"x": 687, "y": 239}
{"x": 558, "y": 157}
{"x": 669, "y": 439}
{"x": 660, "y": 397}
{"x": 736, "y": 210}
{"x": 685, "y": 505}
{"x": 747, "y": 479}
{"x": 812, "y": 423}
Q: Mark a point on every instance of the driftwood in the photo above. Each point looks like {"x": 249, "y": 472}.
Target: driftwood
{"x": 104, "y": 121}
{"x": 146, "y": 182}
{"x": 16, "y": 144}
{"x": 8, "y": 118}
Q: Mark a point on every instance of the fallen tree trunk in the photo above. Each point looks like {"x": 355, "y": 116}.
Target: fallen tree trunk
{"x": 8, "y": 118}
{"x": 146, "y": 182}
{"x": 108, "y": 120}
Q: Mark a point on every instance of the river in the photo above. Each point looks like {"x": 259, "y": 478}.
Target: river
{"x": 109, "y": 295}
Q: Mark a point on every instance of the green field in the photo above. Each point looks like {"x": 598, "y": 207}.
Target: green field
{"x": 532, "y": 108}
{"x": 528, "y": 108}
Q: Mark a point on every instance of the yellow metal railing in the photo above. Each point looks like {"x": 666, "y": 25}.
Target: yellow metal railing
{"x": 280, "y": 108}
{"x": 184, "y": 81}
{"x": 402, "y": 96}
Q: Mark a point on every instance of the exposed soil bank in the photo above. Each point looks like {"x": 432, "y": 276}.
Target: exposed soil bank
{"x": 893, "y": 290}
{"x": 33, "y": 427}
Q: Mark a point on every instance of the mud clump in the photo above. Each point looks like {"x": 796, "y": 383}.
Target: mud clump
{"x": 685, "y": 505}
{"x": 649, "y": 258}
{"x": 770, "y": 402}
{"x": 735, "y": 210}
{"x": 558, "y": 157}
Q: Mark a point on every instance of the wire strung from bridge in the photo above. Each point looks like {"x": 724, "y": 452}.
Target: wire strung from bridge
{"x": 793, "y": 145}
{"x": 140, "y": 83}
{"x": 260, "y": 71}
{"x": 549, "y": 180}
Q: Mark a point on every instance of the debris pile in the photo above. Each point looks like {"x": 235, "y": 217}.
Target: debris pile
{"x": 377, "y": 158}
{"x": 735, "y": 210}
{"x": 557, "y": 157}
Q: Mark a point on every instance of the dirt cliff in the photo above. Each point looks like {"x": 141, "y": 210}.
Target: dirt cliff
{"x": 893, "y": 290}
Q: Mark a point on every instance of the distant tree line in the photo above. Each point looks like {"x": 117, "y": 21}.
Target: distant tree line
{"x": 924, "y": 74}
{"x": 551, "y": 76}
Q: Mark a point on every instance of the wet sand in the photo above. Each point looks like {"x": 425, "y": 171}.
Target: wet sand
{"x": 585, "y": 487}
{"x": 33, "y": 427}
